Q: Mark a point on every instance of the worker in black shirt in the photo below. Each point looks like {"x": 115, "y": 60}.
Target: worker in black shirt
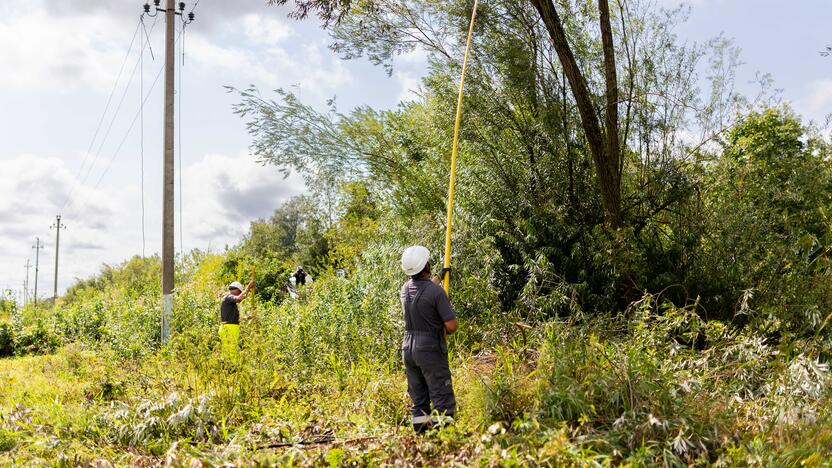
{"x": 301, "y": 277}
{"x": 230, "y": 319}
{"x": 428, "y": 318}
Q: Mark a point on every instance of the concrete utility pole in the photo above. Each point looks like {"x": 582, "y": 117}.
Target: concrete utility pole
{"x": 26, "y": 283}
{"x": 58, "y": 226}
{"x": 167, "y": 172}
{"x": 168, "y": 181}
{"x": 37, "y": 248}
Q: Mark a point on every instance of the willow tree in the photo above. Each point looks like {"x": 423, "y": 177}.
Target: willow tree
{"x": 602, "y": 134}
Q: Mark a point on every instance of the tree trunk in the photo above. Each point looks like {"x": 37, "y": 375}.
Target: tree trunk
{"x": 603, "y": 146}
{"x": 613, "y": 158}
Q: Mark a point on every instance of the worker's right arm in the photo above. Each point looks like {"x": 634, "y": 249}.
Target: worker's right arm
{"x": 446, "y": 313}
{"x": 244, "y": 293}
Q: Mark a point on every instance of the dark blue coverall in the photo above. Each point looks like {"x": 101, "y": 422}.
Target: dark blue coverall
{"x": 425, "y": 352}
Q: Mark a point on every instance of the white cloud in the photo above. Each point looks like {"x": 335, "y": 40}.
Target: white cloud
{"x": 223, "y": 194}
{"x": 60, "y": 60}
{"x": 677, "y": 3}
{"x": 213, "y": 55}
{"x": 44, "y": 53}
{"x": 410, "y": 85}
{"x": 271, "y": 66}
{"x": 209, "y": 15}
{"x": 264, "y": 30}
{"x": 321, "y": 69}
{"x": 41, "y": 186}
{"x": 416, "y": 57}
{"x": 54, "y": 51}
{"x": 818, "y": 101}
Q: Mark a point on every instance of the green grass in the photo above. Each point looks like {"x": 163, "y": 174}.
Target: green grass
{"x": 320, "y": 383}
{"x": 571, "y": 397}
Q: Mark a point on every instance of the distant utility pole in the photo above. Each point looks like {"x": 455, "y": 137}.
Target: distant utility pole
{"x": 37, "y": 248}
{"x": 26, "y": 283}
{"x": 168, "y": 176}
{"x": 57, "y": 226}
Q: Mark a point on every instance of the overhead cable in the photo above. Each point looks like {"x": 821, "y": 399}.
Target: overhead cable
{"x": 104, "y": 113}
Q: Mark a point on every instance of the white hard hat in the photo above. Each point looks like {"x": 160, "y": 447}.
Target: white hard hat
{"x": 235, "y": 285}
{"x": 414, "y": 259}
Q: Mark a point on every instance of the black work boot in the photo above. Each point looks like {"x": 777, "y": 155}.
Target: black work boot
{"x": 422, "y": 427}
{"x": 421, "y": 424}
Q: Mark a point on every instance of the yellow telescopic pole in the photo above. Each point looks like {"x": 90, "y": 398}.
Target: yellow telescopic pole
{"x": 446, "y": 283}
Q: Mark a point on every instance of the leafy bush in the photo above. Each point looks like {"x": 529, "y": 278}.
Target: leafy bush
{"x": 36, "y": 339}
{"x": 6, "y": 339}
{"x": 82, "y": 321}
{"x": 768, "y": 200}
{"x": 505, "y": 396}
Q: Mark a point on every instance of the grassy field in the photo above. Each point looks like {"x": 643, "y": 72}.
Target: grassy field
{"x": 320, "y": 382}
{"x": 559, "y": 394}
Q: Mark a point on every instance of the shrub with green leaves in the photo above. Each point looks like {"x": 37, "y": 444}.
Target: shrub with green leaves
{"x": 768, "y": 197}
{"x": 6, "y": 339}
{"x": 40, "y": 338}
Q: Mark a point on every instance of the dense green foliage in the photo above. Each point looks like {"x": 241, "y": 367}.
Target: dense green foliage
{"x": 768, "y": 200}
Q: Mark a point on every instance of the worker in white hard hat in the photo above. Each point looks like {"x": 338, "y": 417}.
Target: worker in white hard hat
{"x": 230, "y": 318}
{"x": 428, "y": 318}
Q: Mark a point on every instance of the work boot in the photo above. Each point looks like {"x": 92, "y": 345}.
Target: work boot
{"x": 421, "y": 424}
{"x": 421, "y": 428}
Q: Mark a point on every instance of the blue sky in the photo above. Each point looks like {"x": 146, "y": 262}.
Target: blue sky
{"x": 779, "y": 37}
{"x": 60, "y": 60}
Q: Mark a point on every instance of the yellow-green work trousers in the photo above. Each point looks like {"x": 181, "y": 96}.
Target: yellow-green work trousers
{"x": 230, "y": 340}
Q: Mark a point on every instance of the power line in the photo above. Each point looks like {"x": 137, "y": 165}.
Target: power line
{"x": 127, "y": 133}
{"x": 147, "y": 35}
{"x": 103, "y": 114}
{"x": 115, "y": 115}
{"x": 129, "y": 129}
